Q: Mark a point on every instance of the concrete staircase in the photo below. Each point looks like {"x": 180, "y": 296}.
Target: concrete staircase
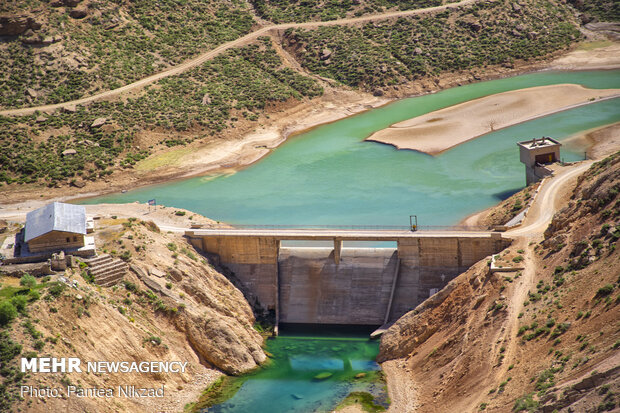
{"x": 106, "y": 271}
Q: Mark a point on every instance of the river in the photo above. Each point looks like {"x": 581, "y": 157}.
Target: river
{"x": 311, "y": 369}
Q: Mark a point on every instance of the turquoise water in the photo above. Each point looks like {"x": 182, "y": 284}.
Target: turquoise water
{"x": 330, "y": 176}
{"x": 287, "y": 385}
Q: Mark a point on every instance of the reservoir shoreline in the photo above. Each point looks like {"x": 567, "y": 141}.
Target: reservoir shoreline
{"x": 230, "y": 156}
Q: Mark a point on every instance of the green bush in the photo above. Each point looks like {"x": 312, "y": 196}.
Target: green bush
{"x": 56, "y": 289}
{"x": 7, "y": 313}
{"x": 28, "y": 281}
{"x": 525, "y": 403}
{"x": 20, "y": 302}
{"x": 605, "y": 291}
{"x": 153, "y": 339}
{"x": 129, "y": 286}
{"x": 125, "y": 256}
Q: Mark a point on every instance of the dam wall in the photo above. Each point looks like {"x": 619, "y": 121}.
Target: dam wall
{"x": 314, "y": 289}
{"x": 345, "y": 285}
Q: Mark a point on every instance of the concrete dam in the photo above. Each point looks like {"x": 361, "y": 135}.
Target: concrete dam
{"x": 370, "y": 286}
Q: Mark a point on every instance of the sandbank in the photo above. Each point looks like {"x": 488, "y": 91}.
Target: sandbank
{"x": 443, "y": 129}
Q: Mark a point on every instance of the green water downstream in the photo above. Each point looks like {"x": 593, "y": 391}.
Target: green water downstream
{"x": 329, "y": 175}
{"x": 308, "y": 372}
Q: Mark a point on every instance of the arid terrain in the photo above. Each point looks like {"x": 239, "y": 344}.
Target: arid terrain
{"x": 172, "y": 306}
{"x": 543, "y": 336}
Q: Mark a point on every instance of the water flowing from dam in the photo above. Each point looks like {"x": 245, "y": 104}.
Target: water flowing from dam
{"x": 310, "y": 370}
{"x": 329, "y": 175}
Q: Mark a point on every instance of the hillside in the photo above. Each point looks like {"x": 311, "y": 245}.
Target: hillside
{"x": 172, "y": 306}
{"x": 389, "y": 54}
{"x": 298, "y": 11}
{"x": 235, "y": 91}
{"x": 542, "y": 337}
{"x": 64, "y": 49}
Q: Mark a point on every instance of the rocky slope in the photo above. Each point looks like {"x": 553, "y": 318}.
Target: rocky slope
{"x": 541, "y": 338}
{"x": 59, "y": 50}
{"x": 172, "y": 306}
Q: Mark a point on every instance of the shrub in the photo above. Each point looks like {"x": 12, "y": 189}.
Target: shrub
{"x": 153, "y": 339}
{"x": 28, "y": 281}
{"x": 129, "y": 286}
{"x": 179, "y": 213}
{"x": 56, "y": 289}
{"x": 125, "y": 256}
{"x": 604, "y": 291}
{"x": 525, "y": 403}
{"x": 7, "y": 313}
{"x": 19, "y": 302}
{"x": 30, "y": 328}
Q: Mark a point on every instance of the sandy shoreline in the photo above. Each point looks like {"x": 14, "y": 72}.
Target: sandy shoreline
{"x": 443, "y": 129}
{"x": 229, "y": 155}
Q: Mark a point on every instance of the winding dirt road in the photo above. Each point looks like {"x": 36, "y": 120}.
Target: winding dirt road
{"x": 544, "y": 206}
{"x": 248, "y": 38}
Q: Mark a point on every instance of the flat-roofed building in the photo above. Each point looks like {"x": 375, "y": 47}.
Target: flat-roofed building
{"x": 537, "y": 153}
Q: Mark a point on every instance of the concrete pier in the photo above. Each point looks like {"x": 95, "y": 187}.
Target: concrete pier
{"x": 345, "y": 285}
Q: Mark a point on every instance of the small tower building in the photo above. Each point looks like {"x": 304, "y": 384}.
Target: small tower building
{"x": 537, "y": 153}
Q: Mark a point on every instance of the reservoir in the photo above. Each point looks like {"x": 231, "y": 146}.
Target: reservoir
{"x": 329, "y": 175}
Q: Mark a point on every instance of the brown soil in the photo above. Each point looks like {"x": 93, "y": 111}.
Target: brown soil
{"x": 497, "y": 338}
{"x": 205, "y": 320}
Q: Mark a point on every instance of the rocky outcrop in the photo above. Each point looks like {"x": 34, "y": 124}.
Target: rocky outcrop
{"x": 571, "y": 393}
{"x": 594, "y": 192}
{"x": 16, "y": 25}
{"x": 79, "y": 13}
{"x": 98, "y": 122}
{"x": 219, "y": 322}
{"x": 222, "y": 341}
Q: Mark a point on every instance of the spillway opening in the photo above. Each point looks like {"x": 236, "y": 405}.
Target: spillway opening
{"x": 306, "y": 244}
{"x": 369, "y": 244}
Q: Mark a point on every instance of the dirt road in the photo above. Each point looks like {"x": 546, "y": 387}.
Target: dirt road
{"x": 543, "y": 208}
{"x": 200, "y": 59}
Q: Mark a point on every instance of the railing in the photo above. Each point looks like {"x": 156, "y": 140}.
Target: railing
{"x": 353, "y": 227}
